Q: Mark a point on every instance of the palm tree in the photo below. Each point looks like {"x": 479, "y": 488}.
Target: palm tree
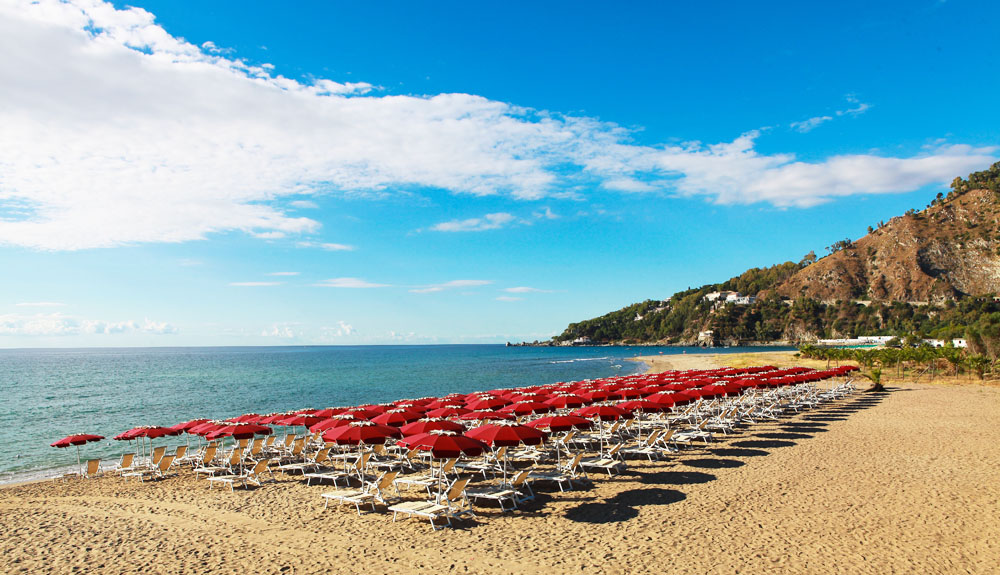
{"x": 875, "y": 375}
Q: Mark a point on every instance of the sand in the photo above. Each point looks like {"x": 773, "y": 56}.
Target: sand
{"x": 901, "y": 482}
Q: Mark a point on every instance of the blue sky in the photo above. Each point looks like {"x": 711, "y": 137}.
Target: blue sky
{"x": 241, "y": 173}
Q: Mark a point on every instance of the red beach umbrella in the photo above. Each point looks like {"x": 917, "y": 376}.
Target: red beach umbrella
{"x": 526, "y": 408}
{"x": 396, "y": 417}
{"x": 448, "y": 411}
{"x": 429, "y": 424}
{"x": 358, "y": 432}
{"x": 564, "y": 400}
{"x": 557, "y": 423}
{"x": 503, "y": 434}
{"x": 77, "y": 441}
{"x": 444, "y": 444}
{"x": 486, "y": 402}
{"x": 485, "y": 415}
{"x": 604, "y": 412}
{"x": 665, "y": 399}
{"x": 330, "y": 411}
{"x": 303, "y": 420}
{"x": 239, "y": 431}
{"x": 188, "y": 425}
{"x": 328, "y": 424}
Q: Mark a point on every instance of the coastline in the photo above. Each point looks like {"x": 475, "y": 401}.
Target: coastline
{"x": 871, "y": 484}
{"x": 680, "y": 362}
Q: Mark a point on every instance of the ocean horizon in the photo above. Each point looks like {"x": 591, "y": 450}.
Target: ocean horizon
{"x": 54, "y": 392}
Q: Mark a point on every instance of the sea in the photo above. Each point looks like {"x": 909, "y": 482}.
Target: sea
{"x": 47, "y": 394}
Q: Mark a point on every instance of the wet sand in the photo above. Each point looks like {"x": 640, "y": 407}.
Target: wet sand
{"x": 901, "y": 482}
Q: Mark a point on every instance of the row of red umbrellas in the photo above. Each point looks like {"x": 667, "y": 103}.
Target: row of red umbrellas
{"x": 437, "y": 420}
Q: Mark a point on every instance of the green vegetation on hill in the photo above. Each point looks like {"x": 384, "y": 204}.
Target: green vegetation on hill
{"x": 686, "y": 314}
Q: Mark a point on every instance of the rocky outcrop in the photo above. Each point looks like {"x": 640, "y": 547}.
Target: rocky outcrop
{"x": 949, "y": 250}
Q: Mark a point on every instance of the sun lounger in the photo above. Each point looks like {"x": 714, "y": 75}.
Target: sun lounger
{"x": 448, "y": 507}
{"x": 158, "y": 472}
{"x": 370, "y": 493}
{"x": 609, "y": 463}
{"x": 504, "y": 491}
{"x": 251, "y": 475}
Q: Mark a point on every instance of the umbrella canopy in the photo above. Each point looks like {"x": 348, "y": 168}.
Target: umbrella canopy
{"x": 486, "y": 402}
{"x": 396, "y": 417}
{"x": 665, "y": 399}
{"x": 429, "y": 424}
{"x": 330, "y": 411}
{"x": 484, "y": 415}
{"x": 565, "y": 400}
{"x": 641, "y": 405}
{"x": 303, "y": 420}
{"x": 188, "y": 425}
{"x": 448, "y": 411}
{"x": 526, "y": 408}
{"x": 507, "y": 434}
{"x": 561, "y": 423}
{"x": 604, "y": 412}
{"x": 239, "y": 431}
{"x": 328, "y": 424}
{"x": 358, "y": 432}
{"x": 79, "y": 439}
{"x": 150, "y": 431}
{"x": 443, "y": 444}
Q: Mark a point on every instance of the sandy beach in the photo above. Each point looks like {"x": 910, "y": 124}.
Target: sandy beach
{"x": 900, "y": 482}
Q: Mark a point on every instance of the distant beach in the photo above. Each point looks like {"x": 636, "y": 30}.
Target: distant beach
{"x": 896, "y": 482}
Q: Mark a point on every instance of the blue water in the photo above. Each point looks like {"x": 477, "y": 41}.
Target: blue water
{"x": 50, "y": 393}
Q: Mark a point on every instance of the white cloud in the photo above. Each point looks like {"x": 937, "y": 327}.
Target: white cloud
{"x": 525, "y": 289}
{"x": 351, "y": 283}
{"x": 57, "y": 324}
{"x": 454, "y": 284}
{"x": 166, "y": 141}
{"x": 282, "y": 331}
{"x": 283, "y": 274}
{"x": 255, "y": 284}
{"x": 487, "y": 222}
{"x": 327, "y": 246}
{"x": 546, "y": 214}
{"x": 41, "y": 304}
{"x": 736, "y": 174}
{"x": 810, "y": 124}
{"x": 304, "y": 204}
{"x": 508, "y": 298}
{"x": 342, "y": 329}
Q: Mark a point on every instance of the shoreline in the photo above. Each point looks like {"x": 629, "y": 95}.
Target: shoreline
{"x": 901, "y": 481}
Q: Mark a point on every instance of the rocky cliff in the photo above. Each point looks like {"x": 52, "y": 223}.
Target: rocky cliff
{"x": 949, "y": 250}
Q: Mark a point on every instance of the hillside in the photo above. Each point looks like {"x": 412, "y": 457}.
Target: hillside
{"x": 930, "y": 272}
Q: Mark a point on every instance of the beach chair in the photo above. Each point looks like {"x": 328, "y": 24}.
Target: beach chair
{"x": 125, "y": 464}
{"x": 609, "y": 463}
{"x": 158, "y": 453}
{"x": 251, "y": 475}
{"x": 563, "y": 474}
{"x": 314, "y": 463}
{"x": 92, "y": 469}
{"x": 230, "y": 466}
{"x": 356, "y": 470}
{"x": 428, "y": 480}
{"x": 646, "y": 447}
{"x": 158, "y": 472}
{"x": 205, "y": 463}
{"x": 369, "y": 493}
{"x": 698, "y": 432}
{"x": 503, "y": 492}
{"x": 453, "y": 504}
